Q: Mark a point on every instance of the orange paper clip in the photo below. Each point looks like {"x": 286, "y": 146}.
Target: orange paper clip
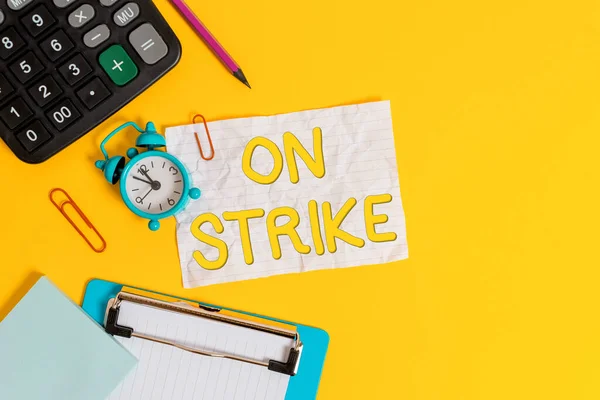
{"x": 61, "y": 207}
{"x": 212, "y": 149}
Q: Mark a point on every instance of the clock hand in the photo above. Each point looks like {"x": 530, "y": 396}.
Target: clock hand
{"x": 140, "y": 179}
{"x": 155, "y": 184}
{"x": 147, "y": 176}
{"x": 151, "y": 189}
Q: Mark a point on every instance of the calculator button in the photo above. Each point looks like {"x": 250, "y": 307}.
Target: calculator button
{"x": 96, "y": 36}
{"x": 75, "y": 69}
{"x": 56, "y": 45}
{"x": 81, "y": 16}
{"x": 126, "y": 14}
{"x": 1, "y": 17}
{"x": 63, "y": 114}
{"x": 44, "y": 91}
{"x": 33, "y": 136}
{"x": 15, "y": 113}
{"x": 148, "y": 43}
{"x": 93, "y": 93}
{"x": 38, "y": 21}
{"x": 118, "y": 65}
{"x": 26, "y": 67}
{"x": 63, "y": 3}
{"x": 108, "y": 3}
{"x": 10, "y": 42}
{"x": 5, "y": 88}
{"x": 17, "y": 4}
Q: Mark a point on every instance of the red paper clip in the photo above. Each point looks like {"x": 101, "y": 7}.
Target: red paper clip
{"x": 61, "y": 207}
{"x": 212, "y": 149}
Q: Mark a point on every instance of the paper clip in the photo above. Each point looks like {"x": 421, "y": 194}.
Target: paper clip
{"x": 212, "y": 149}
{"x": 61, "y": 207}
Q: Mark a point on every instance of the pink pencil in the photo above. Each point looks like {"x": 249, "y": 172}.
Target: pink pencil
{"x": 210, "y": 40}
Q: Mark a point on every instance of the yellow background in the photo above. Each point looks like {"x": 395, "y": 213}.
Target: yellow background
{"x": 495, "y": 108}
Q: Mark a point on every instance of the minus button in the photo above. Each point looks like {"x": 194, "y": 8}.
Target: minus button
{"x": 96, "y": 36}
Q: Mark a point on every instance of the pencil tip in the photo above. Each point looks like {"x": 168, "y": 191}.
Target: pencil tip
{"x": 240, "y": 75}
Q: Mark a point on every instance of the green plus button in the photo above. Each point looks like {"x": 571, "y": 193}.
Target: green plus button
{"x": 118, "y": 65}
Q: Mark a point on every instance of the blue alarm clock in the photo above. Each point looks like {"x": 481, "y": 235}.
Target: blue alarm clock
{"x": 153, "y": 184}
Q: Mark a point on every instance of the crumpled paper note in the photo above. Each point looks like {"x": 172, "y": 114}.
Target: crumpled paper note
{"x": 359, "y": 169}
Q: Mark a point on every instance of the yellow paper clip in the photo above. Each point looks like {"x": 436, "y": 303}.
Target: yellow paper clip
{"x": 212, "y": 149}
{"x": 61, "y": 207}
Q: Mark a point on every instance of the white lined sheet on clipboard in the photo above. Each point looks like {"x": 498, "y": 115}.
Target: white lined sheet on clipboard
{"x": 167, "y": 372}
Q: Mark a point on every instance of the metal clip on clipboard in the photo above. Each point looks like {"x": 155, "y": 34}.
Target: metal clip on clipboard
{"x": 289, "y": 367}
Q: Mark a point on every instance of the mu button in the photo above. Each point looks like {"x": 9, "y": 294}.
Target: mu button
{"x": 118, "y": 65}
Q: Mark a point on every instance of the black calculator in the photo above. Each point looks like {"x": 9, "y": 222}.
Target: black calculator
{"x": 67, "y": 65}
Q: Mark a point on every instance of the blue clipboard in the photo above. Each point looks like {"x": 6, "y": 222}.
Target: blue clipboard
{"x": 302, "y": 386}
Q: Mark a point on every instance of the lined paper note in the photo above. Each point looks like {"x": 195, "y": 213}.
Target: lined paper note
{"x": 360, "y": 161}
{"x": 167, "y": 372}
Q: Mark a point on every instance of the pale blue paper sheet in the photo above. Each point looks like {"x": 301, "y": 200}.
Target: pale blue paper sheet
{"x": 50, "y": 349}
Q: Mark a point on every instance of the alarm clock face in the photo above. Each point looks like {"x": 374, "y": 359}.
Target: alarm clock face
{"x": 154, "y": 184}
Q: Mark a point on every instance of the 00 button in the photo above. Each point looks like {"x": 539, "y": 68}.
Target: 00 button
{"x": 63, "y": 114}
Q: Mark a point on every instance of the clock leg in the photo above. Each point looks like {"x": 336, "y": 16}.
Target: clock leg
{"x": 195, "y": 193}
{"x": 153, "y": 225}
